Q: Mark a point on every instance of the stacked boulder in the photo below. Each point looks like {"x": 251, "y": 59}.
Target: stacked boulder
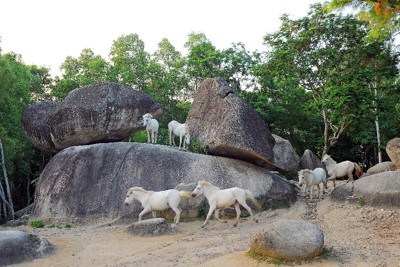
{"x": 93, "y": 169}
{"x": 97, "y": 113}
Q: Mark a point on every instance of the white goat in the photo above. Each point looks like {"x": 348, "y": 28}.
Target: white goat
{"x": 313, "y": 178}
{"x": 181, "y": 130}
{"x": 151, "y": 127}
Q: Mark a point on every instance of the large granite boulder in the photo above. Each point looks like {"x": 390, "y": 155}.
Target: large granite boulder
{"x": 229, "y": 127}
{"x": 92, "y": 180}
{"x": 381, "y": 167}
{"x": 100, "y": 112}
{"x": 285, "y": 156}
{"x": 393, "y": 151}
{"x": 18, "y": 246}
{"x": 289, "y": 240}
{"x": 310, "y": 161}
{"x": 379, "y": 190}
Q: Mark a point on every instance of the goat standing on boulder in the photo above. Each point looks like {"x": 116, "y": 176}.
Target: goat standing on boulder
{"x": 151, "y": 127}
{"x": 181, "y": 130}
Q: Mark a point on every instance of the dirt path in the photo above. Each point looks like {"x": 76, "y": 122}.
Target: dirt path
{"x": 354, "y": 236}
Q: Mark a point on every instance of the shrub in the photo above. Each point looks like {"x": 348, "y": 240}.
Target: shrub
{"x": 361, "y": 201}
{"x": 37, "y": 224}
{"x": 196, "y": 146}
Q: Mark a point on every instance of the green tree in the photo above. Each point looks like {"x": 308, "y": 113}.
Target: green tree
{"x": 381, "y": 72}
{"x": 88, "y": 68}
{"x": 237, "y": 63}
{"x": 383, "y": 16}
{"x": 283, "y": 105}
{"x": 168, "y": 81}
{"x": 19, "y": 84}
{"x": 322, "y": 54}
{"x": 129, "y": 61}
{"x": 203, "y": 60}
{"x": 41, "y": 82}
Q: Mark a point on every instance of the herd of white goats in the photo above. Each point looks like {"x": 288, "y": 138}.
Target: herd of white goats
{"x": 218, "y": 199}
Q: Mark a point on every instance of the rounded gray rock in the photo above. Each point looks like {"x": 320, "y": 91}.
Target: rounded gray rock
{"x": 151, "y": 227}
{"x": 18, "y": 246}
{"x": 381, "y": 189}
{"x": 289, "y": 239}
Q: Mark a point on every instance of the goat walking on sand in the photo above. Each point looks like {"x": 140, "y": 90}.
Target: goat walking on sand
{"x": 157, "y": 201}
{"x": 313, "y": 178}
{"x": 181, "y": 130}
{"x": 151, "y": 127}
{"x": 218, "y": 199}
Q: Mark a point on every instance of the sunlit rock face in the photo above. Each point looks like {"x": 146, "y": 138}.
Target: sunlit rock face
{"x": 228, "y": 127}
{"x": 92, "y": 180}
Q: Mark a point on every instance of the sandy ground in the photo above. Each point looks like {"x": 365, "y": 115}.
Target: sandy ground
{"x": 355, "y": 235}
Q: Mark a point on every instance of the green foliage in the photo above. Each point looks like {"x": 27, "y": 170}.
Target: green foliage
{"x": 383, "y": 16}
{"x": 196, "y": 146}
{"x": 139, "y": 137}
{"x": 257, "y": 257}
{"x": 203, "y": 60}
{"x": 19, "y": 85}
{"x": 201, "y": 212}
{"x": 34, "y": 238}
{"x": 361, "y": 201}
{"x": 129, "y": 61}
{"x": 277, "y": 261}
{"x": 36, "y": 224}
{"x": 59, "y": 226}
{"x": 319, "y": 65}
{"x": 244, "y": 214}
{"x": 262, "y": 258}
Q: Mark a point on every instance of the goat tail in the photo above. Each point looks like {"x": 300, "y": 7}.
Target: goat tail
{"x": 250, "y": 195}
{"x": 185, "y": 194}
{"x": 357, "y": 172}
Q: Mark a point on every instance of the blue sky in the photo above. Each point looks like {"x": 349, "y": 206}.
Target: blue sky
{"x": 45, "y": 32}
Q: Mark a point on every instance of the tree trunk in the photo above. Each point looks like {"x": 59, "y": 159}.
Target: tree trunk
{"x": 326, "y": 133}
{"x": 9, "y": 200}
{"x": 378, "y": 132}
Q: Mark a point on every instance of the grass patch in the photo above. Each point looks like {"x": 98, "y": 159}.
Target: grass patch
{"x": 325, "y": 253}
{"x": 277, "y": 261}
{"x": 196, "y": 146}
{"x": 244, "y": 214}
{"x": 37, "y": 224}
{"x": 263, "y": 258}
{"x": 201, "y": 212}
{"x": 41, "y": 224}
{"x": 361, "y": 201}
{"x": 34, "y": 238}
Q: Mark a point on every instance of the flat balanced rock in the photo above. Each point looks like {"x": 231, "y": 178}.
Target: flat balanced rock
{"x": 97, "y": 113}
